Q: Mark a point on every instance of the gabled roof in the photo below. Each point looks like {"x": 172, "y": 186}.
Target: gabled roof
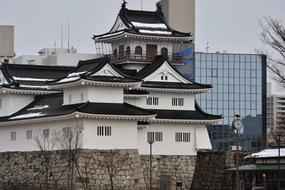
{"x": 160, "y": 60}
{"x": 51, "y": 106}
{"x": 31, "y": 77}
{"x": 196, "y": 115}
{"x": 89, "y": 70}
{"x": 145, "y": 23}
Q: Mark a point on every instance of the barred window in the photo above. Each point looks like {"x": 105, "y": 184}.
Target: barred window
{"x": 152, "y": 101}
{"x": 46, "y": 133}
{"x": 13, "y": 136}
{"x": 67, "y": 132}
{"x": 177, "y": 101}
{"x": 29, "y": 134}
{"x": 154, "y": 136}
{"x": 182, "y": 137}
{"x": 104, "y": 131}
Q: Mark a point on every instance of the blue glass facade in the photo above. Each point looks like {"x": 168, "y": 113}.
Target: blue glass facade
{"x": 239, "y": 82}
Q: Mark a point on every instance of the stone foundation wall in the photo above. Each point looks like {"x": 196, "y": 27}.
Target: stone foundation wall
{"x": 129, "y": 169}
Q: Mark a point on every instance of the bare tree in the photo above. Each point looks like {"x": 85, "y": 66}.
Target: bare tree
{"x": 273, "y": 35}
{"x": 66, "y": 144}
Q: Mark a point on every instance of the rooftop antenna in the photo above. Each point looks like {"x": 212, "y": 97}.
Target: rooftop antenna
{"x": 54, "y": 50}
{"x": 207, "y": 47}
{"x": 61, "y": 36}
{"x": 68, "y": 36}
{"x": 141, "y": 5}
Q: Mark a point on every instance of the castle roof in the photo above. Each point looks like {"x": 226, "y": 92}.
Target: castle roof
{"x": 30, "y": 77}
{"x": 51, "y": 105}
{"x": 141, "y": 23}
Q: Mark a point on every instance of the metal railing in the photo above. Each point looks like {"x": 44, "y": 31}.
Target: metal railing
{"x": 175, "y": 58}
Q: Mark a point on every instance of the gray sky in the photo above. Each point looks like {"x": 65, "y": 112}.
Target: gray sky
{"x": 231, "y": 25}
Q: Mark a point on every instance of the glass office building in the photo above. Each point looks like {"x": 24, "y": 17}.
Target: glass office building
{"x": 239, "y": 87}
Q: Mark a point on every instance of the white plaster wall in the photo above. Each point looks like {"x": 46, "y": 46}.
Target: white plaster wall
{"x": 21, "y": 143}
{"x": 94, "y": 94}
{"x": 75, "y": 93}
{"x": 124, "y": 135}
{"x": 165, "y": 101}
{"x": 202, "y": 139}
{"x": 12, "y": 103}
{"x": 168, "y": 146}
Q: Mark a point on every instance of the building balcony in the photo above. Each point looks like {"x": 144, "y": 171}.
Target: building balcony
{"x": 175, "y": 59}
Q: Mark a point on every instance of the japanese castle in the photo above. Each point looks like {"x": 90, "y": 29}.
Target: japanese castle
{"x": 132, "y": 94}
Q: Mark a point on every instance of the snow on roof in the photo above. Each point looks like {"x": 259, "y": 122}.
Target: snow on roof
{"x": 31, "y": 86}
{"x": 70, "y": 79}
{"x": 28, "y": 115}
{"x": 268, "y": 153}
{"x": 112, "y": 34}
{"x": 39, "y": 107}
{"x": 76, "y": 74}
{"x": 155, "y": 32}
{"x": 30, "y": 79}
{"x": 149, "y": 25}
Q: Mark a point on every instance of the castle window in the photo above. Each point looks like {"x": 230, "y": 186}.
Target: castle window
{"x": 46, "y": 133}
{"x": 29, "y": 134}
{"x": 82, "y": 97}
{"x": 13, "y": 136}
{"x": 138, "y": 50}
{"x": 67, "y": 133}
{"x": 128, "y": 52}
{"x": 154, "y": 136}
{"x": 104, "y": 131}
{"x": 182, "y": 137}
{"x": 152, "y": 101}
{"x": 115, "y": 54}
{"x": 177, "y": 101}
{"x": 164, "y": 51}
{"x": 121, "y": 51}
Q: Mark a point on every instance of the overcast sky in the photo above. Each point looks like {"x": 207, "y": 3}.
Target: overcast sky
{"x": 231, "y": 25}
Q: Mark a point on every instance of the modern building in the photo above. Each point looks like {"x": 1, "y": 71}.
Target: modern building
{"x": 6, "y": 43}
{"x": 275, "y": 116}
{"x": 180, "y": 14}
{"x": 54, "y": 56}
{"x": 239, "y": 82}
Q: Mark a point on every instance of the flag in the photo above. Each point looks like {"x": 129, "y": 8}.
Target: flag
{"x": 185, "y": 52}
{"x": 186, "y": 61}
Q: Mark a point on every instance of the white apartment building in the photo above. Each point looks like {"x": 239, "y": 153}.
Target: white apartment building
{"x": 55, "y": 56}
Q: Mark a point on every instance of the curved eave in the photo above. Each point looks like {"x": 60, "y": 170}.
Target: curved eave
{"x": 185, "y": 121}
{"x": 5, "y": 90}
{"x": 171, "y": 90}
{"x": 142, "y": 36}
{"x": 134, "y": 96}
{"x": 116, "y": 117}
{"x": 84, "y": 82}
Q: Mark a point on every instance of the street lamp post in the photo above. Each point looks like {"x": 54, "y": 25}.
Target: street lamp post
{"x": 278, "y": 161}
{"x": 150, "y": 163}
{"x": 237, "y": 125}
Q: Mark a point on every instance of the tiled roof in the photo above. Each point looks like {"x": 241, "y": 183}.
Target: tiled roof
{"x": 52, "y": 105}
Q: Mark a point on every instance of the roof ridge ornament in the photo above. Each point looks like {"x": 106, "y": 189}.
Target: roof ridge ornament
{"x": 124, "y": 4}
{"x": 158, "y": 7}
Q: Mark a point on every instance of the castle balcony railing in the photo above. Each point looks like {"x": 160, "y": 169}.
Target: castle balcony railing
{"x": 175, "y": 59}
